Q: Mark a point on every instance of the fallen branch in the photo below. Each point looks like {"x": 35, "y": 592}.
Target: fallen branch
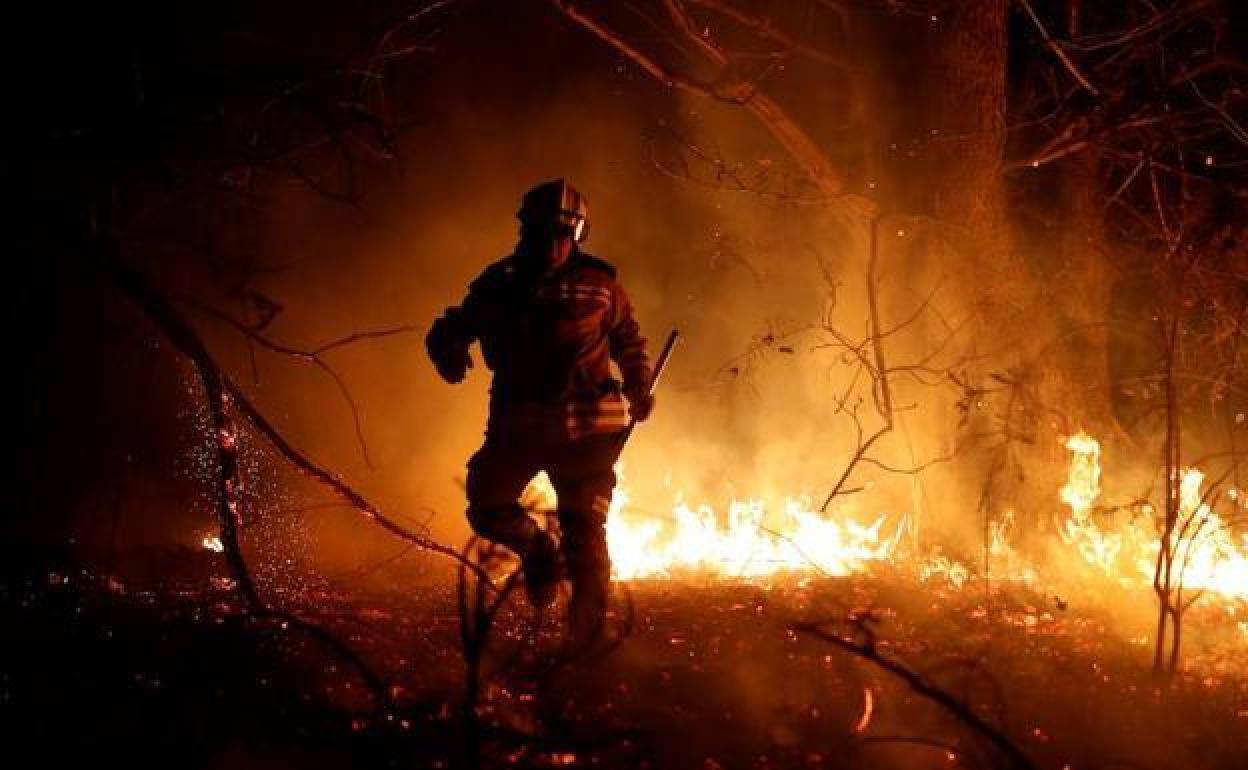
{"x": 219, "y": 392}
{"x": 869, "y": 651}
{"x": 160, "y": 311}
{"x": 829, "y": 179}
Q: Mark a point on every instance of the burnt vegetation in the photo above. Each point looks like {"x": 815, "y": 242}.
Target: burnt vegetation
{"x": 1021, "y": 221}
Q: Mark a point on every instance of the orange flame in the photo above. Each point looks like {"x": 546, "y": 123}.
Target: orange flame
{"x": 1208, "y": 554}
{"x": 695, "y": 540}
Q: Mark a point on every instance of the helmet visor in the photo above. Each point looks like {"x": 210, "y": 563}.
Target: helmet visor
{"x": 570, "y": 224}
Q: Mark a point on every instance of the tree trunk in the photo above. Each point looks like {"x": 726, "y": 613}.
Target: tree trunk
{"x": 964, "y": 122}
{"x": 968, "y": 101}
{"x": 1084, "y": 285}
{"x": 1085, "y": 276}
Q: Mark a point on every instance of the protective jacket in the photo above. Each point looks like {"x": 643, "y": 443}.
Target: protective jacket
{"x": 549, "y": 338}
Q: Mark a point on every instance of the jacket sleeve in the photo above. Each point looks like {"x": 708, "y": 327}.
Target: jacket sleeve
{"x": 628, "y": 347}
{"x": 458, "y": 327}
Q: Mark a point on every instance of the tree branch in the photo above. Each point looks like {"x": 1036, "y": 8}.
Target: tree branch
{"x": 870, "y": 652}
{"x": 314, "y": 357}
{"x": 784, "y": 129}
{"x": 184, "y": 337}
{"x": 1057, "y": 50}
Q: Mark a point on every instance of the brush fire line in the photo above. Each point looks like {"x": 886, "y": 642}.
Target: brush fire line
{"x": 698, "y": 540}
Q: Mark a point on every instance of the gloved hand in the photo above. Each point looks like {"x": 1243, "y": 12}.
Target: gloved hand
{"x": 453, "y": 365}
{"x": 449, "y": 355}
{"x": 640, "y": 406}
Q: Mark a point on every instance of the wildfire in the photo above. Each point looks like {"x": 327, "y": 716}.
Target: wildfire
{"x": 1208, "y": 555}
{"x": 741, "y": 544}
{"x": 751, "y": 540}
{"x": 754, "y": 539}
{"x": 1083, "y": 487}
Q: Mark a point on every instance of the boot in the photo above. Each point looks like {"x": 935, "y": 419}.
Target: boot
{"x": 541, "y": 570}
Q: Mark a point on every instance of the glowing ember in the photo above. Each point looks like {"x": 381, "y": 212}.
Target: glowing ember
{"x": 940, "y": 566}
{"x": 212, "y": 543}
{"x": 868, "y": 707}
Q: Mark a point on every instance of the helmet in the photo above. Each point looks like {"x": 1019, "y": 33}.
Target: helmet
{"x": 556, "y": 205}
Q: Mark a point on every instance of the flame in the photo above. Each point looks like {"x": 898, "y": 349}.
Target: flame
{"x": 742, "y": 546}
{"x": 754, "y": 538}
{"x": 696, "y": 540}
{"x": 940, "y": 566}
{"x": 1083, "y": 487}
{"x": 1206, "y": 550}
{"x": 1083, "y": 482}
{"x": 1208, "y": 555}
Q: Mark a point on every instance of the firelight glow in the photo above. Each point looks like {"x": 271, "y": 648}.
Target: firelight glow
{"x": 1208, "y": 555}
{"x": 696, "y": 540}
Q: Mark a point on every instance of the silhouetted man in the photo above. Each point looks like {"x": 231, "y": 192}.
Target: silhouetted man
{"x": 550, "y": 319}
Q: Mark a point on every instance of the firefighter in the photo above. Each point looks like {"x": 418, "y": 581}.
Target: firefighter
{"x": 550, "y": 319}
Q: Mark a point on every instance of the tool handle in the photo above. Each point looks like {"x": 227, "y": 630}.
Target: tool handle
{"x": 659, "y": 366}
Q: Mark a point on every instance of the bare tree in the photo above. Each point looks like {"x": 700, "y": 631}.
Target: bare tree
{"x": 1162, "y": 133}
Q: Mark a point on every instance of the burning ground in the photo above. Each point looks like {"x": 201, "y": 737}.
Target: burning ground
{"x": 714, "y": 673}
{"x": 723, "y": 658}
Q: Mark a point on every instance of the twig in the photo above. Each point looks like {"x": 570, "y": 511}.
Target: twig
{"x": 1057, "y": 49}
{"x": 314, "y": 357}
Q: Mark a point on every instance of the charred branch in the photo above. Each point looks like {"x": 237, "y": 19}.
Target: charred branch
{"x": 867, "y": 648}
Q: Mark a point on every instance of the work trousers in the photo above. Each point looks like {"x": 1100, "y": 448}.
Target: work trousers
{"x": 582, "y": 473}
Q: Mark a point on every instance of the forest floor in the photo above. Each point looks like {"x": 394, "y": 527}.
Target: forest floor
{"x": 103, "y": 669}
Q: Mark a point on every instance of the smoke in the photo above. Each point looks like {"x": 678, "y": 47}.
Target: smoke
{"x": 756, "y": 403}
{"x": 751, "y": 407}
